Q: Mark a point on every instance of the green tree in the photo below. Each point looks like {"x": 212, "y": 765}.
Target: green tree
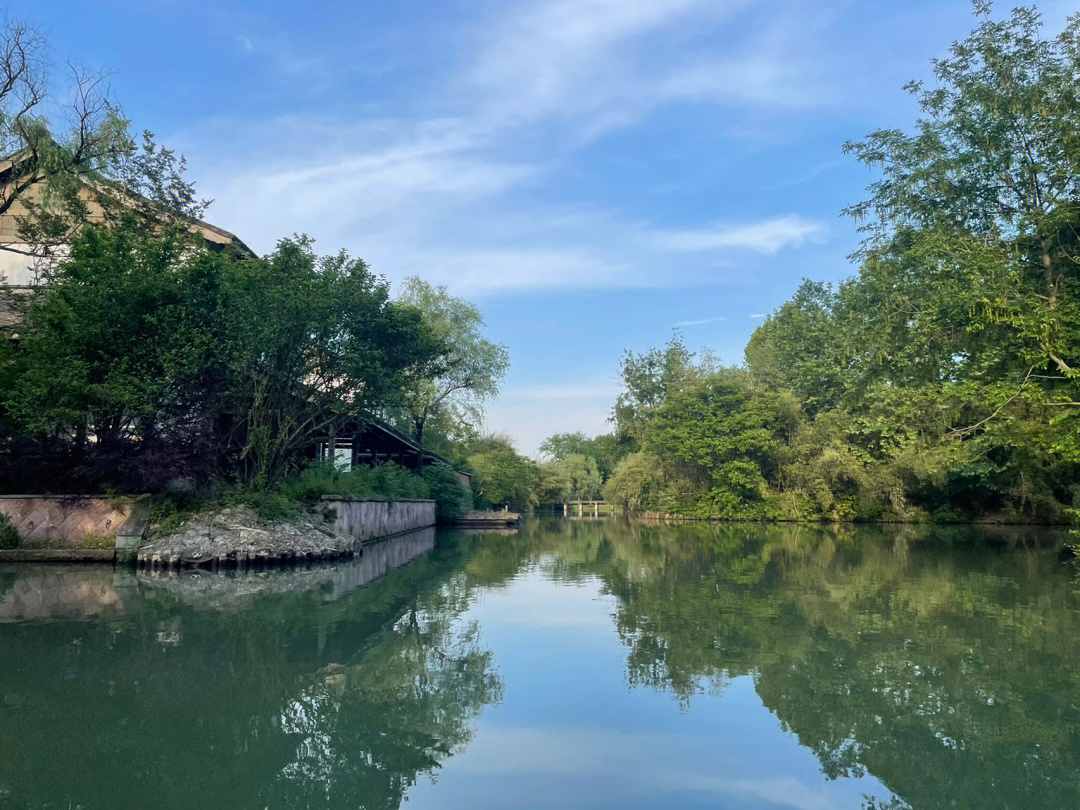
{"x": 453, "y": 384}
{"x": 584, "y": 477}
{"x": 336, "y": 347}
{"x": 634, "y": 482}
{"x": 647, "y": 379}
{"x": 604, "y": 450}
{"x": 501, "y": 477}
{"x": 552, "y": 485}
{"x": 161, "y": 352}
{"x": 977, "y": 212}
{"x": 91, "y": 168}
{"x": 719, "y": 440}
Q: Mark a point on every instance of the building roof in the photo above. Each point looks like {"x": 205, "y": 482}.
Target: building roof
{"x": 9, "y": 229}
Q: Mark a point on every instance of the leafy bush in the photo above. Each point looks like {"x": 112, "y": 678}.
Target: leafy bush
{"x": 9, "y": 535}
{"x": 389, "y": 481}
{"x": 452, "y": 498}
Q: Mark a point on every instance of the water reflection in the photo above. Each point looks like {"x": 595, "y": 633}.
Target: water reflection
{"x": 930, "y": 668}
{"x": 942, "y": 662}
{"x": 292, "y": 701}
{"x": 44, "y": 592}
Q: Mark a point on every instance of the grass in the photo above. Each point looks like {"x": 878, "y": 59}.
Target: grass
{"x": 9, "y": 535}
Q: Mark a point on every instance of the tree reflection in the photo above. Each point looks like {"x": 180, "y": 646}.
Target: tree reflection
{"x": 290, "y": 702}
{"x": 947, "y": 668}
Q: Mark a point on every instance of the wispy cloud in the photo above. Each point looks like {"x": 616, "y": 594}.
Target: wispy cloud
{"x": 767, "y": 236}
{"x": 609, "y": 62}
{"x": 437, "y": 199}
{"x": 701, "y": 322}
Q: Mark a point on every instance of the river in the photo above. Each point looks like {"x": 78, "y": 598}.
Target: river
{"x": 575, "y": 663}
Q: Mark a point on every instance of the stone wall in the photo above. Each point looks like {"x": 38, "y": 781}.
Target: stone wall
{"x": 365, "y": 520}
{"x": 61, "y": 520}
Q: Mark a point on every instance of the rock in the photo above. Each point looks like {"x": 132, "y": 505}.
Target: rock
{"x": 237, "y": 537}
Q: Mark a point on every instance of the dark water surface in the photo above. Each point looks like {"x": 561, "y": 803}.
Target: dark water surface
{"x": 573, "y": 664}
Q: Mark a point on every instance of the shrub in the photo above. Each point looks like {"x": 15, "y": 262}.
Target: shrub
{"x": 452, "y": 498}
{"x": 9, "y": 535}
{"x": 389, "y": 481}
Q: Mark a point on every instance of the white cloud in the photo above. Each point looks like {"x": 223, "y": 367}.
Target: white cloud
{"x": 609, "y": 62}
{"x": 701, "y": 322}
{"x": 767, "y": 236}
{"x": 436, "y": 199}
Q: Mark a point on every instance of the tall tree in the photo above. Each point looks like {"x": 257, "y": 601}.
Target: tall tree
{"x": 455, "y": 383}
{"x": 972, "y": 227}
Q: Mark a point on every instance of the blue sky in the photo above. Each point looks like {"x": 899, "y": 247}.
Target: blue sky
{"x": 592, "y": 173}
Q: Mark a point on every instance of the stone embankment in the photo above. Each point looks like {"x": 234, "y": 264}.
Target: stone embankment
{"x": 237, "y": 537}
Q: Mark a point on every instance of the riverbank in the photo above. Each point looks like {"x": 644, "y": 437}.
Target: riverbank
{"x": 983, "y": 522}
{"x": 239, "y": 536}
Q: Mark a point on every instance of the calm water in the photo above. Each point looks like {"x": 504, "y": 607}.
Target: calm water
{"x": 574, "y": 664}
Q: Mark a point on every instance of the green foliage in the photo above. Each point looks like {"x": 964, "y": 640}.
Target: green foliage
{"x": 450, "y": 386}
{"x": 335, "y": 347}
{"x": 9, "y": 535}
{"x": 604, "y": 450}
{"x": 634, "y": 483}
{"x": 552, "y": 485}
{"x": 302, "y": 490}
{"x": 940, "y": 382}
{"x": 384, "y": 481}
{"x": 452, "y": 497}
{"x": 582, "y": 474}
{"x": 647, "y": 380}
{"x": 160, "y": 349}
{"x": 501, "y": 477}
{"x": 718, "y": 439}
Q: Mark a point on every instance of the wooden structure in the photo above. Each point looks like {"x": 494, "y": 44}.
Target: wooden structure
{"x": 374, "y": 442}
{"x": 488, "y": 520}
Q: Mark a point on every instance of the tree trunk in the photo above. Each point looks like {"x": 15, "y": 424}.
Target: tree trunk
{"x": 419, "y": 445}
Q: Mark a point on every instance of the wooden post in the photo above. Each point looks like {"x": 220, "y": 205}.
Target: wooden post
{"x": 596, "y": 509}
{"x": 565, "y": 509}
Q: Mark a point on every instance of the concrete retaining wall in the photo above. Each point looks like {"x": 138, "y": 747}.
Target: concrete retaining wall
{"x": 65, "y": 520}
{"x": 365, "y": 520}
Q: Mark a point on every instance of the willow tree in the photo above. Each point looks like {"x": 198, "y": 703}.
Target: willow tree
{"x": 454, "y": 384}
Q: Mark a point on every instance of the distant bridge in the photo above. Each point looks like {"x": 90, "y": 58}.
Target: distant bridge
{"x": 594, "y": 507}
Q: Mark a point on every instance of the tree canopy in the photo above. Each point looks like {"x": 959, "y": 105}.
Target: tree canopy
{"x": 453, "y": 384}
{"x": 940, "y": 380}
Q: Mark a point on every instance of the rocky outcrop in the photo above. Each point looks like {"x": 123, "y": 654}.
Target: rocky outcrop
{"x": 238, "y": 537}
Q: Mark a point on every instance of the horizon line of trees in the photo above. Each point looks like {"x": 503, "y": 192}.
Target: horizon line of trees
{"x": 940, "y": 382}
